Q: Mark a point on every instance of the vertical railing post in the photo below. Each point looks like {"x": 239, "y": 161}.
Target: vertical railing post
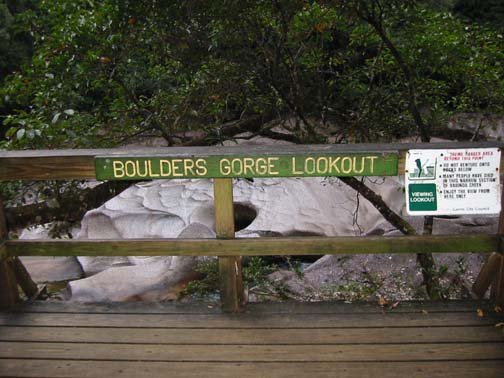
{"x": 497, "y": 291}
{"x": 9, "y": 294}
{"x": 230, "y": 274}
{"x": 492, "y": 271}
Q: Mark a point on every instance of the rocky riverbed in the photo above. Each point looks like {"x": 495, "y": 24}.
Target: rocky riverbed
{"x": 264, "y": 207}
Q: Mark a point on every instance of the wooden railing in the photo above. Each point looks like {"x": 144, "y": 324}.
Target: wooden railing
{"x": 222, "y": 164}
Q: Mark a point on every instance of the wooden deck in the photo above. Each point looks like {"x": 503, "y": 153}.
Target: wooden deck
{"x": 267, "y": 340}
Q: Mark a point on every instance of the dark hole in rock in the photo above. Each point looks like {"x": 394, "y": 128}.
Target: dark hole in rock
{"x": 244, "y": 215}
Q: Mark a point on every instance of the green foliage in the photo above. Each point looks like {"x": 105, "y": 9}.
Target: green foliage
{"x": 104, "y": 72}
{"x": 256, "y": 271}
{"x": 208, "y": 285}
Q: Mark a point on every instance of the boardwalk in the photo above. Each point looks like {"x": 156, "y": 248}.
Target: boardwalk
{"x": 267, "y": 340}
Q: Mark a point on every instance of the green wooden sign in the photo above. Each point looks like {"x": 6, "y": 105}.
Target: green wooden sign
{"x": 316, "y": 165}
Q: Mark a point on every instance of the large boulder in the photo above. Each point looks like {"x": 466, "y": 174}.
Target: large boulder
{"x": 150, "y": 279}
{"x": 178, "y": 208}
{"x": 263, "y": 207}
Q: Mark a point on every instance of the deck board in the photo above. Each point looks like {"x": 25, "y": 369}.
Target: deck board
{"x": 306, "y": 336}
{"x": 346, "y": 320}
{"x": 267, "y": 340}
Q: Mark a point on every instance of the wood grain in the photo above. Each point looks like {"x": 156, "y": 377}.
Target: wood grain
{"x": 243, "y": 320}
{"x": 256, "y": 246}
{"x": 9, "y": 294}
{"x": 224, "y": 211}
{"x": 487, "y": 275}
{"x": 332, "y": 341}
{"x": 262, "y": 308}
{"x": 312, "y": 336}
{"x": 230, "y": 268}
{"x": 112, "y": 369}
{"x": 254, "y": 353}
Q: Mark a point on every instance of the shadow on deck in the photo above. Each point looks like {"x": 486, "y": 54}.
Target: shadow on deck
{"x": 267, "y": 340}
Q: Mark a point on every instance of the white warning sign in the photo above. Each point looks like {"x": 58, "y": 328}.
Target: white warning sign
{"x": 447, "y": 182}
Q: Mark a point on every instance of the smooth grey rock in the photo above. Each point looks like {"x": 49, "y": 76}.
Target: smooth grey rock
{"x": 149, "y": 279}
{"x": 148, "y": 282}
{"x": 92, "y": 265}
{"x": 44, "y": 269}
{"x": 395, "y": 277}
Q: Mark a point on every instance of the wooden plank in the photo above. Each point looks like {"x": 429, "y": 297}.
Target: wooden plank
{"x": 230, "y": 268}
{"x": 23, "y": 278}
{"x": 231, "y": 284}
{"x": 498, "y": 285}
{"x": 224, "y": 211}
{"x": 315, "y": 336}
{"x": 256, "y": 246}
{"x": 339, "y": 307}
{"x": 267, "y": 321}
{"x": 47, "y": 168}
{"x": 147, "y": 369}
{"x": 71, "y": 307}
{"x": 9, "y": 294}
{"x": 79, "y": 164}
{"x": 287, "y": 307}
{"x": 254, "y": 353}
{"x": 3, "y": 222}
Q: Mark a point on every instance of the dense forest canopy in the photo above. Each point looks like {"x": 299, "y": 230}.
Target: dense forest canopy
{"x": 98, "y": 73}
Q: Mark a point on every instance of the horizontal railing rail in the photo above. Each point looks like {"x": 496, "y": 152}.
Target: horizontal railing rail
{"x": 81, "y": 164}
{"x": 223, "y": 164}
{"x": 312, "y": 245}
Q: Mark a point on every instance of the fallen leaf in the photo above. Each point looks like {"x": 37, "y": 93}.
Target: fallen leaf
{"x": 480, "y": 312}
{"x": 499, "y": 325}
{"x": 498, "y": 309}
{"x": 382, "y": 301}
{"x": 424, "y": 312}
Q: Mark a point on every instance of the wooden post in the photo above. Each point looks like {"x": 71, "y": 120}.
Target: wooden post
{"x": 23, "y": 278}
{"x": 499, "y": 284}
{"x": 9, "y": 294}
{"x": 231, "y": 285}
{"x": 492, "y": 272}
{"x": 487, "y": 275}
{"x": 497, "y": 291}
